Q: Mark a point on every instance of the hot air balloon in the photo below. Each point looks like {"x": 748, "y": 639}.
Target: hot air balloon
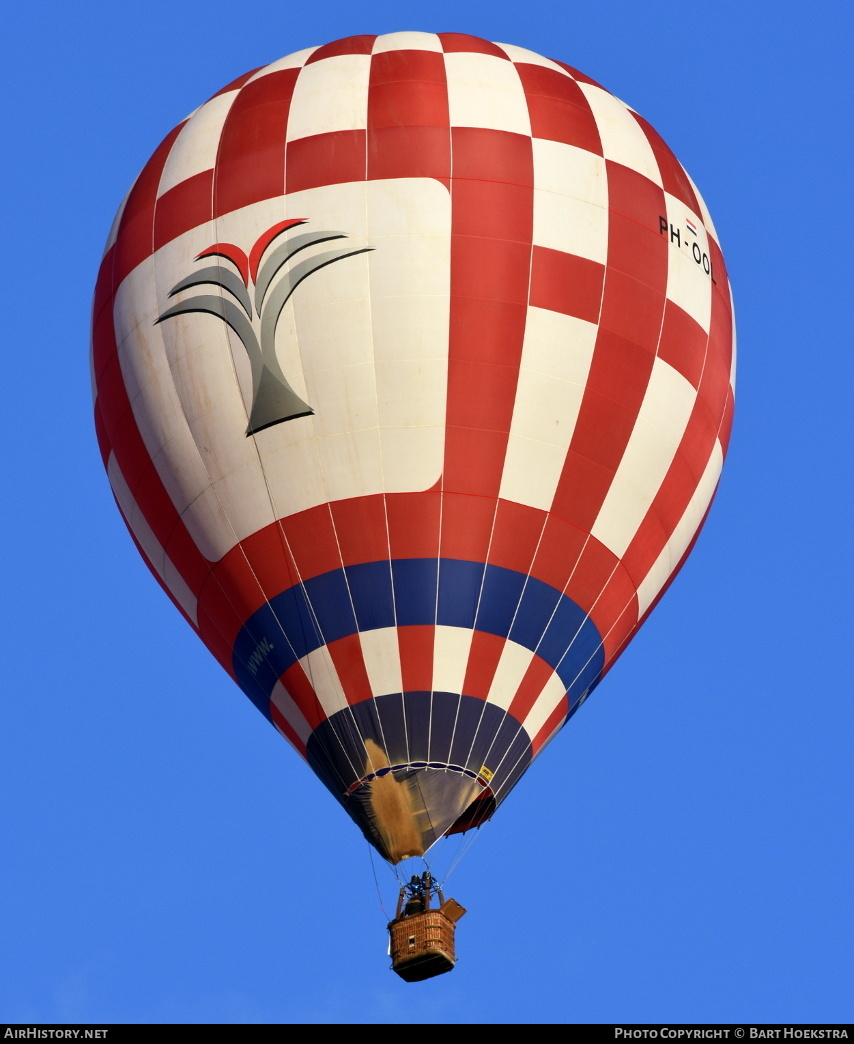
{"x": 413, "y": 362}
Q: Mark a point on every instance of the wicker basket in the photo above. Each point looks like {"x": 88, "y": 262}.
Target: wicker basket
{"x": 422, "y": 945}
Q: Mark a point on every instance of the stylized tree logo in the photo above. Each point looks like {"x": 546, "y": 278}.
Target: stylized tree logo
{"x": 273, "y": 399}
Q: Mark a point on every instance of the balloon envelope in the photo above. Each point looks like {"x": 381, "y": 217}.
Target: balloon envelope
{"x": 413, "y": 364}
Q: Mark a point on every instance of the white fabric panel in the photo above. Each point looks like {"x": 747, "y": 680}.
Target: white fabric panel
{"x": 290, "y": 712}
{"x": 545, "y": 705}
{"x": 381, "y": 651}
{"x": 189, "y": 378}
{"x": 659, "y": 428}
{"x": 408, "y": 456}
{"x": 411, "y": 392}
{"x": 407, "y": 42}
{"x": 556, "y": 357}
{"x": 570, "y": 171}
{"x": 571, "y": 225}
{"x": 149, "y": 542}
{"x": 291, "y": 61}
{"x": 330, "y": 95}
{"x": 195, "y": 148}
{"x": 622, "y": 138}
{"x": 521, "y": 54}
{"x": 409, "y": 225}
{"x": 688, "y": 283}
{"x": 514, "y": 662}
{"x": 485, "y": 91}
{"x": 570, "y": 200}
{"x": 324, "y": 679}
{"x": 145, "y": 355}
{"x": 351, "y": 463}
{"x": 451, "y": 647}
{"x": 682, "y": 536}
{"x": 734, "y": 345}
{"x": 531, "y": 472}
{"x": 704, "y": 210}
{"x": 294, "y": 454}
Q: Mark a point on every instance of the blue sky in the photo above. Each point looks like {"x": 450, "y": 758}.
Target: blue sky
{"x": 682, "y": 851}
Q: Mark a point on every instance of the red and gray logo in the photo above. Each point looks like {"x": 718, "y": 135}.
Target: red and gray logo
{"x": 253, "y": 314}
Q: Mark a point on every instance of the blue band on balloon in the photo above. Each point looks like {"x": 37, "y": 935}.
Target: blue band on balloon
{"x": 417, "y": 591}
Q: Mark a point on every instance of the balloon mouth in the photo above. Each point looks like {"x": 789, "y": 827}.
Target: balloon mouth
{"x": 482, "y": 778}
{"x": 404, "y": 809}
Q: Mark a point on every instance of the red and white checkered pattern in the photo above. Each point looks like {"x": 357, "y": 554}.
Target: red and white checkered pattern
{"x": 527, "y": 365}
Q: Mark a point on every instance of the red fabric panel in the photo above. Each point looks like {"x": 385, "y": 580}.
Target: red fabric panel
{"x": 683, "y": 343}
{"x": 641, "y": 202}
{"x": 311, "y": 537}
{"x": 490, "y": 213}
{"x": 104, "y": 346}
{"x": 136, "y": 228}
{"x": 409, "y": 152}
{"x": 474, "y": 460}
{"x": 101, "y": 435}
{"x": 211, "y": 633}
{"x": 251, "y": 161}
{"x": 492, "y": 226}
{"x": 720, "y": 329}
{"x": 483, "y": 154}
{"x": 631, "y": 309}
{"x": 346, "y": 654}
{"x": 413, "y": 521}
{"x": 714, "y": 384}
{"x": 484, "y": 654}
{"x": 575, "y": 74}
{"x": 582, "y": 489}
{"x": 619, "y": 632}
{"x": 604, "y": 425}
{"x": 558, "y": 109}
{"x": 683, "y": 475}
{"x": 416, "y": 657}
{"x": 452, "y": 42}
{"x": 326, "y": 159}
{"x": 407, "y": 88}
{"x": 533, "y": 683}
{"x": 103, "y": 295}
{"x": 515, "y": 536}
{"x": 567, "y": 283}
{"x": 413, "y": 524}
{"x": 235, "y": 85}
{"x": 300, "y": 690}
{"x": 466, "y": 526}
{"x": 243, "y": 580}
{"x": 630, "y": 326}
{"x": 593, "y": 573}
{"x": 679, "y": 565}
{"x": 554, "y": 722}
{"x": 360, "y": 525}
{"x": 500, "y": 326}
{"x": 188, "y": 204}
{"x": 726, "y": 421}
{"x": 270, "y": 565}
{"x": 560, "y": 547}
{"x": 492, "y": 393}
{"x": 180, "y": 547}
{"x": 408, "y": 132}
{"x": 142, "y": 478}
{"x": 673, "y": 177}
{"x": 347, "y": 45}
